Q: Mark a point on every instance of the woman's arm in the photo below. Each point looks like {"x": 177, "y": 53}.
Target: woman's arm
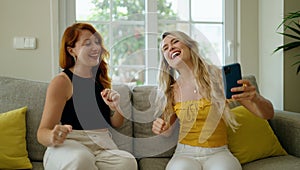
{"x": 117, "y": 118}
{"x": 112, "y": 99}
{"x": 253, "y": 101}
{"x": 50, "y": 133}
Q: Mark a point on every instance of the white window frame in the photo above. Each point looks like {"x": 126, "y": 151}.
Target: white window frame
{"x": 230, "y": 32}
{"x": 63, "y": 14}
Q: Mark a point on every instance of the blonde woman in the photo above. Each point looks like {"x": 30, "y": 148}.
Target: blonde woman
{"x": 192, "y": 93}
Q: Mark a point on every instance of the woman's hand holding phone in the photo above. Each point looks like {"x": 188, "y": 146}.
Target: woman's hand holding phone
{"x": 231, "y": 74}
{"x": 246, "y": 91}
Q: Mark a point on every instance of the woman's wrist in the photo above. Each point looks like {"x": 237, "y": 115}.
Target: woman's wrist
{"x": 113, "y": 110}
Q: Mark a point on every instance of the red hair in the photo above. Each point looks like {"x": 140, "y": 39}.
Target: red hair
{"x": 70, "y": 37}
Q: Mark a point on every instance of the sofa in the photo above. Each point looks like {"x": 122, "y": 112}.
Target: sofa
{"x": 135, "y": 135}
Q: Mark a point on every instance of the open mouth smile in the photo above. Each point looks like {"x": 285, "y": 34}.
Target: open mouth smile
{"x": 94, "y": 56}
{"x": 175, "y": 54}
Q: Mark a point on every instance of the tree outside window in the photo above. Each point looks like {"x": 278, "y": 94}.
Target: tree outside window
{"x": 122, "y": 25}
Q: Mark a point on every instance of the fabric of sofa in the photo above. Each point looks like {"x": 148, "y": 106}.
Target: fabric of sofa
{"x": 135, "y": 134}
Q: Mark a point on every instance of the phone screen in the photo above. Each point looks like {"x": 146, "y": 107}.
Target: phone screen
{"x": 231, "y": 74}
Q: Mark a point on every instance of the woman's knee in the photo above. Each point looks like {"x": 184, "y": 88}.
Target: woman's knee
{"x": 179, "y": 163}
{"x": 129, "y": 163}
{"x": 68, "y": 157}
{"x": 116, "y": 159}
{"x": 82, "y": 157}
{"x": 127, "y": 160}
{"x": 223, "y": 160}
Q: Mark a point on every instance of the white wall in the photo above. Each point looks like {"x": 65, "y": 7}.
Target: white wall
{"x": 257, "y": 39}
{"x": 25, "y": 18}
{"x": 271, "y": 64}
{"x": 247, "y": 36}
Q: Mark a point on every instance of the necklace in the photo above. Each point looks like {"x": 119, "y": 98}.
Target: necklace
{"x": 195, "y": 91}
{"x": 196, "y": 87}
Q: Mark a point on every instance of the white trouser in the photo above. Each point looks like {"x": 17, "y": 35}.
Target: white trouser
{"x": 188, "y": 157}
{"x": 88, "y": 150}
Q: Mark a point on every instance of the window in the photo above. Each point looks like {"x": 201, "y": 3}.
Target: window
{"x": 131, "y": 30}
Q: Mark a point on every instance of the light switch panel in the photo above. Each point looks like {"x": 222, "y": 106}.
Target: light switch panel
{"x": 19, "y": 42}
{"x": 23, "y": 43}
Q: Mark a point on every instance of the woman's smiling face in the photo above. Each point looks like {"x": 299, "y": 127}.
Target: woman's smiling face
{"x": 87, "y": 48}
{"x": 175, "y": 51}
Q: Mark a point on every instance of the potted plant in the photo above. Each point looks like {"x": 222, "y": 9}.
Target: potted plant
{"x": 291, "y": 22}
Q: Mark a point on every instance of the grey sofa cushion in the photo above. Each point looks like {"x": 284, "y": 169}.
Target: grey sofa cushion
{"x": 37, "y": 165}
{"x": 15, "y": 93}
{"x": 286, "y": 126}
{"x": 274, "y": 163}
{"x": 153, "y": 163}
{"x": 146, "y": 143}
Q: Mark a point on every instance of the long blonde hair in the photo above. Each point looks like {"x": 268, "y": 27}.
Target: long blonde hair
{"x": 206, "y": 77}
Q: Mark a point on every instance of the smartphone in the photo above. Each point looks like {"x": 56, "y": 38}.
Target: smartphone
{"x": 231, "y": 74}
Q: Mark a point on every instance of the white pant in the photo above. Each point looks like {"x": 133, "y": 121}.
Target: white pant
{"x": 88, "y": 150}
{"x": 188, "y": 157}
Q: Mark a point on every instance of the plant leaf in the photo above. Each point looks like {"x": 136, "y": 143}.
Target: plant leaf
{"x": 298, "y": 25}
{"x": 289, "y": 35}
{"x": 298, "y": 62}
{"x": 291, "y": 45}
{"x": 287, "y": 19}
{"x": 293, "y": 29}
{"x": 298, "y": 55}
{"x": 278, "y": 48}
{"x": 288, "y": 46}
{"x": 291, "y": 16}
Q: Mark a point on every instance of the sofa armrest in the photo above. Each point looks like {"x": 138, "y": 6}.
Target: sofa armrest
{"x": 286, "y": 126}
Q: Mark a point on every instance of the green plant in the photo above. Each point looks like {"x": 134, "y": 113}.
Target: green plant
{"x": 124, "y": 22}
{"x": 291, "y": 23}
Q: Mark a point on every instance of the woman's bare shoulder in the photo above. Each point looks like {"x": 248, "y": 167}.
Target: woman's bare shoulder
{"x": 61, "y": 85}
{"x": 61, "y": 79}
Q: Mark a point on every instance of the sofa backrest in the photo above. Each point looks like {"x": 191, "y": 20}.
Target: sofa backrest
{"x": 16, "y": 93}
{"x": 137, "y": 104}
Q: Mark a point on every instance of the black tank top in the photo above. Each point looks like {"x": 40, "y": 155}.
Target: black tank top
{"x": 85, "y": 110}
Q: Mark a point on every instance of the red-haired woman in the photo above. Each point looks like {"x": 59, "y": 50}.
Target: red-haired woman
{"x": 80, "y": 107}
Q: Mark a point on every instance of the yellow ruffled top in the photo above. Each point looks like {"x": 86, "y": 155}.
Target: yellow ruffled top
{"x": 192, "y": 116}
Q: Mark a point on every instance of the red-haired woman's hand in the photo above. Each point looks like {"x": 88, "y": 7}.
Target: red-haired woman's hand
{"x": 111, "y": 98}
{"x": 59, "y": 134}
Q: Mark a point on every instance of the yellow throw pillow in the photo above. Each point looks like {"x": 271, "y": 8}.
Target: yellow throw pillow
{"x": 13, "y": 152}
{"x": 254, "y": 139}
